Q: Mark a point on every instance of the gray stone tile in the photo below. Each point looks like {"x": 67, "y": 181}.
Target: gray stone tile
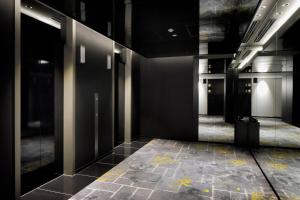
{"x": 141, "y": 194}
{"x": 106, "y": 186}
{"x": 124, "y": 193}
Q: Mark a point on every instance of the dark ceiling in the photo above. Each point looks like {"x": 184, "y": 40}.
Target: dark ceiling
{"x": 151, "y": 21}
{"x": 223, "y": 23}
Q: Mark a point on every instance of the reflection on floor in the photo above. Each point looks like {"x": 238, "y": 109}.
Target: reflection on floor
{"x": 274, "y": 132}
{"x": 214, "y": 129}
{"x": 282, "y": 167}
{"x": 64, "y": 187}
{"x": 36, "y": 152}
{"x": 165, "y": 169}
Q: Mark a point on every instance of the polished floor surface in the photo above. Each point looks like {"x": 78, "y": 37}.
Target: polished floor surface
{"x": 282, "y": 167}
{"x": 36, "y": 152}
{"x": 165, "y": 169}
{"x": 273, "y": 132}
{"x": 64, "y": 187}
{"x": 215, "y": 129}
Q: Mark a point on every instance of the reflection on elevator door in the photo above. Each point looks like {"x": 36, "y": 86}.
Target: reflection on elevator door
{"x": 41, "y": 59}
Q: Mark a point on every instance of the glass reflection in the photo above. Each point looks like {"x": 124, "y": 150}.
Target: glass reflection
{"x": 42, "y": 63}
{"x": 211, "y": 90}
{"x": 272, "y": 95}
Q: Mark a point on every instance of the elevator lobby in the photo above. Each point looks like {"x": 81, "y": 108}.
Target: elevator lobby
{"x": 150, "y": 99}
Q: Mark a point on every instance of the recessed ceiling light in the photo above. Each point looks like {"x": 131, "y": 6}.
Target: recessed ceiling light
{"x": 258, "y": 15}
{"x": 170, "y": 30}
{"x": 174, "y": 35}
{"x": 27, "y": 6}
{"x": 285, "y": 4}
{"x": 278, "y": 13}
{"x": 264, "y": 7}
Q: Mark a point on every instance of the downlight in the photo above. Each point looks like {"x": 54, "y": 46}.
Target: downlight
{"x": 283, "y": 17}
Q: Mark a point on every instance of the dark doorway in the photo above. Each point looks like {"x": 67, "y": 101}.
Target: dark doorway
{"x": 119, "y": 99}
{"x": 215, "y": 97}
{"x": 244, "y": 93}
{"x": 41, "y": 103}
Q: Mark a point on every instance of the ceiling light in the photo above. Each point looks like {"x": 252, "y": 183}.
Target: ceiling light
{"x": 43, "y": 62}
{"x": 174, "y": 35}
{"x": 170, "y": 30}
{"x": 258, "y": 15}
{"x": 285, "y": 4}
{"x": 27, "y": 6}
{"x": 278, "y": 13}
{"x": 27, "y": 10}
{"x": 291, "y": 10}
{"x": 246, "y": 60}
{"x": 264, "y": 7}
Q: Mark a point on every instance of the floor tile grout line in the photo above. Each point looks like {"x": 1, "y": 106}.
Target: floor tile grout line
{"x": 41, "y": 186}
{"x": 56, "y": 192}
{"x": 106, "y": 163}
{"x": 79, "y": 174}
{"x": 267, "y": 179}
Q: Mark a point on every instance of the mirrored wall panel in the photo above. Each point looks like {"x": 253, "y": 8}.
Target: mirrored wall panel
{"x": 270, "y": 90}
{"x": 211, "y": 91}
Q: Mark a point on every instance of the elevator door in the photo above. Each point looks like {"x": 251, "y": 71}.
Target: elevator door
{"x": 119, "y": 100}
{"x": 215, "y": 96}
{"x": 244, "y": 92}
{"x": 41, "y": 103}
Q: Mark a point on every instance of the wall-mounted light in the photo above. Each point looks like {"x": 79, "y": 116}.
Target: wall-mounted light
{"x": 174, "y": 35}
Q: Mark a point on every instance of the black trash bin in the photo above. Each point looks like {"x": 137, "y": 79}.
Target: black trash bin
{"x": 246, "y": 132}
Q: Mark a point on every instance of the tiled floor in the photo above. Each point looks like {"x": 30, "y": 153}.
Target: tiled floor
{"x": 282, "y": 167}
{"x": 273, "y": 132}
{"x": 64, "y": 187}
{"x": 165, "y": 169}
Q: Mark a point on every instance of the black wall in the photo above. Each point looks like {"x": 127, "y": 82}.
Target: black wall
{"x": 287, "y": 98}
{"x": 119, "y": 100}
{"x": 215, "y": 97}
{"x": 7, "y": 56}
{"x": 231, "y": 95}
{"x": 136, "y": 70}
{"x": 244, "y": 95}
{"x": 296, "y": 93}
{"x": 166, "y": 98}
{"x": 92, "y": 77}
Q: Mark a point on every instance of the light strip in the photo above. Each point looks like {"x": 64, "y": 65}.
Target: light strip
{"x": 293, "y": 7}
{"x": 249, "y": 57}
{"x": 40, "y": 17}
